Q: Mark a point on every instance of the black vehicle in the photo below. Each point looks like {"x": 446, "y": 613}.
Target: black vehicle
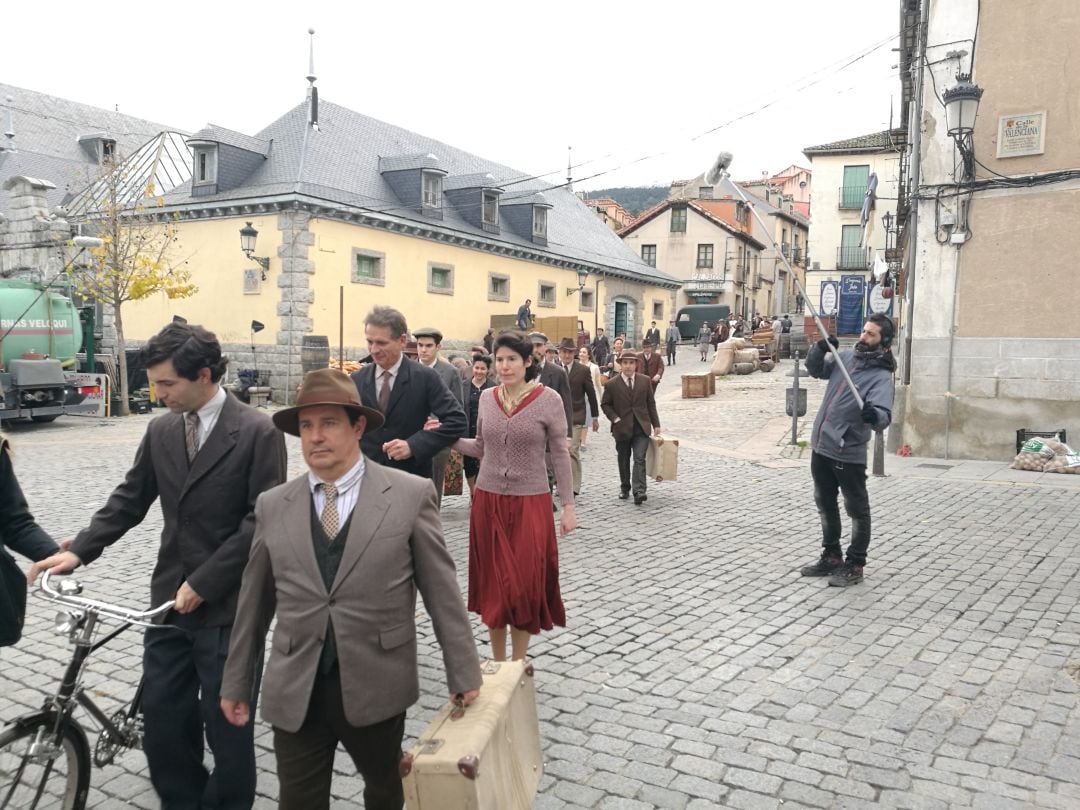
{"x": 689, "y": 318}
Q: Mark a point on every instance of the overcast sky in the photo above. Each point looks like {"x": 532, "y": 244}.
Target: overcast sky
{"x": 636, "y": 88}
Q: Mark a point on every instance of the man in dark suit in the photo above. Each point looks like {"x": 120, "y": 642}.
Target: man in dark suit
{"x": 601, "y": 349}
{"x": 552, "y": 375}
{"x": 652, "y": 335}
{"x": 581, "y": 391}
{"x": 406, "y": 393}
{"x": 650, "y": 364}
{"x": 428, "y": 343}
{"x": 207, "y": 460}
{"x": 338, "y": 556}
{"x": 629, "y": 403}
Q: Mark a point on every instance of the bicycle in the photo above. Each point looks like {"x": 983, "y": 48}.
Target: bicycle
{"x": 45, "y": 757}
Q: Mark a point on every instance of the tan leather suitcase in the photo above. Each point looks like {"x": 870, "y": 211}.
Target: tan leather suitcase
{"x": 483, "y": 757}
{"x": 662, "y": 458}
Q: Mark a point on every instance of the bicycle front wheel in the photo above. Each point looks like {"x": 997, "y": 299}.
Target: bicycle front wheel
{"x": 40, "y": 770}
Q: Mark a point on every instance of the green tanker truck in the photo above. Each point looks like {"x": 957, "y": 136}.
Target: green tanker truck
{"x": 40, "y": 334}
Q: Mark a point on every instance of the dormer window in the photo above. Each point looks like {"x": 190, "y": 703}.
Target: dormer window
{"x": 205, "y": 165}
{"x": 539, "y": 222}
{"x": 491, "y": 208}
{"x": 432, "y": 190}
{"x": 108, "y": 150}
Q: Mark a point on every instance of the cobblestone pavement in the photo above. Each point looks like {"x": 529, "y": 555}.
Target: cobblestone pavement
{"x": 699, "y": 669}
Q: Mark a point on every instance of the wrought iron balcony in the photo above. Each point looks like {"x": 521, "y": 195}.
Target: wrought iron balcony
{"x": 785, "y": 248}
{"x": 797, "y": 256}
{"x": 852, "y": 196}
{"x": 852, "y": 258}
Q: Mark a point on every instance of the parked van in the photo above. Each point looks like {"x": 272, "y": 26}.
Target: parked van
{"x": 690, "y": 318}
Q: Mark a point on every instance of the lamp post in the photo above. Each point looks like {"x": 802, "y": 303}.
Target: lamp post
{"x": 961, "y": 108}
{"x": 582, "y": 276}
{"x": 248, "y": 235}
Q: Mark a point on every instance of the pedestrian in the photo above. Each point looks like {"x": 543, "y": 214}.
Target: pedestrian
{"x": 19, "y": 532}
{"x": 786, "y": 324}
{"x": 611, "y": 368}
{"x": 582, "y": 400}
{"x": 838, "y": 443}
{"x": 671, "y": 341}
{"x": 629, "y": 404}
{"x": 405, "y": 392}
{"x": 777, "y": 330}
{"x": 738, "y": 326}
{"x": 525, "y": 316}
{"x": 600, "y": 348}
{"x": 650, "y": 364}
{"x": 723, "y": 332}
{"x": 652, "y": 334}
{"x": 598, "y": 386}
{"x": 513, "y": 551}
{"x": 704, "y": 338}
{"x": 342, "y": 666}
{"x": 428, "y": 344}
{"x": 207, "y": 460}
{"x": 489, "y": 341}
{"x": 481, "y": 381}
{"x": 714, "y": 338}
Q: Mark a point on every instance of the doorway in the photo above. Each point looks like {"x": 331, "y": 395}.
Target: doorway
{"x": 622, "y": 317}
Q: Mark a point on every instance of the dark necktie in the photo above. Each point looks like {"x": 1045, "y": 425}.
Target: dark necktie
{"x": 384, "y": 394}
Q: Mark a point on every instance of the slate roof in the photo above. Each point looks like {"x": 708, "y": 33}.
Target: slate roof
{"x": 47, "y": 129}
{"x": 886, "y": 140}
{"x": 340, "y": 163}
{"x": 212, "y": 132}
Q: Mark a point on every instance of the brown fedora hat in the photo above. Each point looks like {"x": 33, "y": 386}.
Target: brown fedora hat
{"x": 326, "y": 386}
{"x": 567, "y": 343}
{"x": 628, "y": 354}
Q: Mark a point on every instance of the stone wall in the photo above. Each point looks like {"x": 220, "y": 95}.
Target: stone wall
{"x": 32, "y": 240}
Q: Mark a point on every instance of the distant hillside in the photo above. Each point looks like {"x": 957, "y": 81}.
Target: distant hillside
{"x": 634, "y": 199}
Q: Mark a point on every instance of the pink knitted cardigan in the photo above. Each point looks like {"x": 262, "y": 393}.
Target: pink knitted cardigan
{"x": 512, "y": 447}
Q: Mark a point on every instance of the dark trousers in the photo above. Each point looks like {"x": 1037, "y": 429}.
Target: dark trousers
{"x": 850, "y": 479}
{"x": 671, "y": 352}
{"x": 305, "y": 758}
{"x": 183, "y": 669}
{"x": 637, "y": 445}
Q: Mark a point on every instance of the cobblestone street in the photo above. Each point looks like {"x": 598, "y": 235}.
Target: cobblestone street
{"x": 699, "y": 670}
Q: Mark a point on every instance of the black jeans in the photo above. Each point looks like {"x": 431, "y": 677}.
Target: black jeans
{"x": 850, "y": 479}
{"x": 637, "y": 445}
{"x": 180, "y": 704}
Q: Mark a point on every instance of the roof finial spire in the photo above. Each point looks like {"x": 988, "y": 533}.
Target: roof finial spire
{"x": 313, "y": 91}
{"x": 569, "y": 178}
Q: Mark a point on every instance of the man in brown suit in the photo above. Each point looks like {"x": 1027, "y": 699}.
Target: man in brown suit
{"x": 338, "y": 556}
{"x": 207, "y": 461}
{"x": 650, "y": 364}
{"x": 629, "y": 403}
{"x": 581, "y": 390}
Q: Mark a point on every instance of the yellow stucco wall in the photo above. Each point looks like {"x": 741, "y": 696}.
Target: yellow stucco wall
{"x": 217, "y": 265}
{"x": 211, "y": 251}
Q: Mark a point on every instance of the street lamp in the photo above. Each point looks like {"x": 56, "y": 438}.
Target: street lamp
{"x": 961, "y": 108}
{"x": 248, "y": 235}
{"x": 582, "y": 275}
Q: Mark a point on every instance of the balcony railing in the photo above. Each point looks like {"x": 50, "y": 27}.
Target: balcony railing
{"x": 852, "y": 258}
{"x": 797, "y": 255}
{"x": 785, "y": 248}
{"x": 852, "y": 196}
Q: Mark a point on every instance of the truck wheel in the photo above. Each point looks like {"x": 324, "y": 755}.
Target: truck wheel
{"x": 51, "y": 417}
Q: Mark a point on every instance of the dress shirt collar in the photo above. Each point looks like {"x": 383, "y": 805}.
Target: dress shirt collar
{"x": 209, "y": 413}
{"x": 629, "y": 380}
{"x": 343, "y": 484}
{"x": 394, "y": 369}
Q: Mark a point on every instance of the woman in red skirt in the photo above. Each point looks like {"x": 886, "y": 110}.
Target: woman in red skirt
{"x": 513, "y": 551}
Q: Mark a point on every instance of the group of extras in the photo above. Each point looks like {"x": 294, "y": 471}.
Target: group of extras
{"x": 337, "y": 554}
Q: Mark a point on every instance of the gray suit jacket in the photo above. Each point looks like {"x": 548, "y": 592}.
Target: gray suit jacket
{"x": 207, "y": 507}
{"x": 394, "y": 548}
{"x": 450, "y": 376}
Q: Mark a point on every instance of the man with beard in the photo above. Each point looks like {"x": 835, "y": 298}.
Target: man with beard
{"x": 839, "y": 438}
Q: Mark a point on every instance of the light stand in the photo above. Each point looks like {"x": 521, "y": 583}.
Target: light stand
{"x": 713, "y": 177}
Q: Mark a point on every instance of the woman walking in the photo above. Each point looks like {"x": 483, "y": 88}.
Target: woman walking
{"x": 585, "y": 358}
{"x": 18, "y": 531}
{"x": 704, "y": 336}
{"x": 513, "y": 551}
{"x": 480, "y": 382}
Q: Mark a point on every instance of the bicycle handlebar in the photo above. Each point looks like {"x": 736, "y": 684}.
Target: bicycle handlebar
{"x": 122, "y": 614}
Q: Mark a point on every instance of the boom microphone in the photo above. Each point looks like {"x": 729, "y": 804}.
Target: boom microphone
{"x": 87, "y": 242}
{"x": 716, "y": 172}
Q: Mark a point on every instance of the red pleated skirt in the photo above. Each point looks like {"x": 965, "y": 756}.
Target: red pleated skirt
{"x": 514, "y": 562}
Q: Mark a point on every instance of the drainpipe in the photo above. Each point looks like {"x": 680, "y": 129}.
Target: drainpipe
{"x": 915, "y": 135}
{"x": 596, "y": 306}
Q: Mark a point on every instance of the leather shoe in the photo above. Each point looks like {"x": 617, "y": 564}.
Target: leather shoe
{"x": 639, "y": 500}
{"x": 624, "y": 494}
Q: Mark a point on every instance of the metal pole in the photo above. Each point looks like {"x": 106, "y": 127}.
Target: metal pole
{"x": 795, "y": 402}
{"x": 341, "y": 328}
{"x": 821, "y": 327}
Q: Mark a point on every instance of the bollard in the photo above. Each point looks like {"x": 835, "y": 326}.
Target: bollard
{"x": 879, "y": 454}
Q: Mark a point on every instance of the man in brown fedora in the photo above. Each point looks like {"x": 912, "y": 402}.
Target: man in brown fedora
{"x": 629, "y": 403}
{"x": 338, "y": 556}
{"x": 581, "y": 391}
{"x": 650, "y": 363}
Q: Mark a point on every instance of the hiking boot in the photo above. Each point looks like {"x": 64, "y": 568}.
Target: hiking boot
{"x": 847, "y": 574}
{"x": 825, "y": 567}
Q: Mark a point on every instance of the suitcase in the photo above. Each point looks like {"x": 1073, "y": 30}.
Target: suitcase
{"x": 662, "y": 458}
{"x": 483, "y": 757}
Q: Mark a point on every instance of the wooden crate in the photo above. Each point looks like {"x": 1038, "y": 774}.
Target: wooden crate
{"x": 696, "y": 386}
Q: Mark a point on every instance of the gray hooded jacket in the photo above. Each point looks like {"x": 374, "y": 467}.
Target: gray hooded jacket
{"x": 839, "y": 430}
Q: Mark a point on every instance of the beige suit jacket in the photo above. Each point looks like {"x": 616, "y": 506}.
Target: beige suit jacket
{"x": 394, "y": 548}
